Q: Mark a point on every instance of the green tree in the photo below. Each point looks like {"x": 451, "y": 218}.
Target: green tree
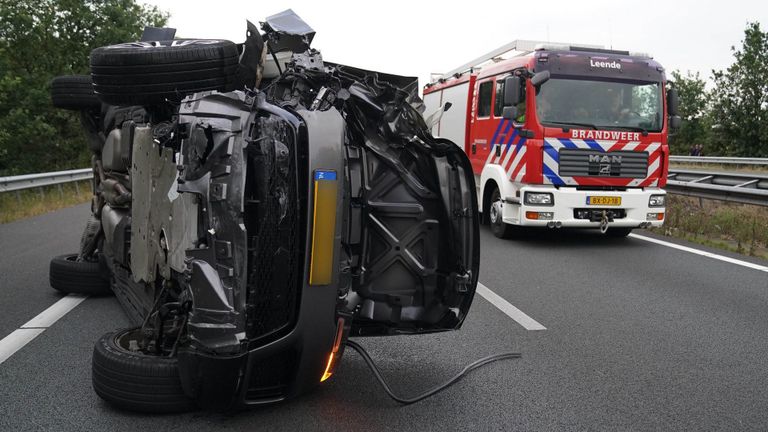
{"x": 40, "y": 39}
{"x": 693, "y": 109}
{"x": 740, "y": 99}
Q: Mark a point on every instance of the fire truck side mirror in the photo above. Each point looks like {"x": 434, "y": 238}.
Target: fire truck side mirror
{"x": 673, "y": 102}
{"x": 513, "y": 91}
{"x": 540, "y": 78}
{"x": 675, "y": 122}
{"x": 509, "y": 112}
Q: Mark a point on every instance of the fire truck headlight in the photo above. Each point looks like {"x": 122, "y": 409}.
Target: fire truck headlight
{"x": 657, "y": 201}
{"x": 539, "y": 198}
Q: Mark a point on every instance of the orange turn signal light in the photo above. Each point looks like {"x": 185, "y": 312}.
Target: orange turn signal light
{"x": 329, "y": 367}
{"x": 333, "y": 357}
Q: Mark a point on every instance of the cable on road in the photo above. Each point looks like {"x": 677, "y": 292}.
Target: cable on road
{"x": 407, "y": 401}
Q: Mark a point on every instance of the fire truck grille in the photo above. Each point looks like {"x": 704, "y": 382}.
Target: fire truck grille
{"x": 593, "y": 163}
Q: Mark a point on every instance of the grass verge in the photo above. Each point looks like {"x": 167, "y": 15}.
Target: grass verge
{"x": 32, "y": 202}
{"x": 738, "y": 228}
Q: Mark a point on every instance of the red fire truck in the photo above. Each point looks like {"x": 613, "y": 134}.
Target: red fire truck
{"x": 560, "y": 135}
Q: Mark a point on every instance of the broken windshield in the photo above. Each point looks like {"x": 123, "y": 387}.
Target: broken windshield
{"x": 604, "y": 104}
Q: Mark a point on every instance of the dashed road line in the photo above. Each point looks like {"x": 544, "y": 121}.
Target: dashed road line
{"x": 516, "y": 314}
{"x": 37, "y": 325}
{"x": 702, "y": 253}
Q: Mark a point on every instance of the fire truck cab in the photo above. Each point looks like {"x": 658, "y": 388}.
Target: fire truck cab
{"x": 560, "y": 135}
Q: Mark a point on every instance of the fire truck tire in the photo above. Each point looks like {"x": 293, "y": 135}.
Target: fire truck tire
{"x": 618, "y": 232}
{"x": 70, "y": 276}
{"x": 74, "y": 92}
{"x": 147, "y": 73}
{"x": 498, "y": 227}
{"x": 135, "y": 381}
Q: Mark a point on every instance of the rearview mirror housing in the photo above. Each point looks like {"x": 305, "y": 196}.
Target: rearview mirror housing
{"x": 675, "y": 122}
{"x": 673, "y": 103}
{"x": 540, "y": 78}
{"x": 509, "y": 112}
{"x": 513, "y": 91}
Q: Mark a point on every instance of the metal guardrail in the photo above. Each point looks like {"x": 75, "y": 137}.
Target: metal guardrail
{"x": 733, "y": 187}
{"x": 719, "y": 160}
{"x": 29, "y": 181}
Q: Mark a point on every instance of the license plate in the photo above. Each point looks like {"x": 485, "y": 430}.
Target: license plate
{"x": 604, "y": 200}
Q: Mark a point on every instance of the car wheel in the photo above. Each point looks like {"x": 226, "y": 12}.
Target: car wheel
{"x": 498, "y": 227}
{"x": 135, "y": 381}
{"x": 148, "y": 73}
{"x": 618, "y": 232}
{"x": 74, "y": 92}
{"x": 70, "y": 276}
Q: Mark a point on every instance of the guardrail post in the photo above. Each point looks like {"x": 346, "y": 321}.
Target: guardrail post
{"x": 77, "y": 189}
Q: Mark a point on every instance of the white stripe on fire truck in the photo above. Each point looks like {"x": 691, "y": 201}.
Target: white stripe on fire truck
{"x": 516, "y": 161}
{"x": 520, "y": 174}
{"x": 509, "y": 152}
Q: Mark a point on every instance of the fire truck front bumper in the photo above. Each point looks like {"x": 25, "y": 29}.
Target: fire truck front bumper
{"x": 569, "y": 207}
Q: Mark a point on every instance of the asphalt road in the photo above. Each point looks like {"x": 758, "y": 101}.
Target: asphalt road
{"x": 638, "y": 337}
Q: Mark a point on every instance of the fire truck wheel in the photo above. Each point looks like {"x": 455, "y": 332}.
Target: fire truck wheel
{"x": 498, "y": 227}
{"x": 618, "y": 232}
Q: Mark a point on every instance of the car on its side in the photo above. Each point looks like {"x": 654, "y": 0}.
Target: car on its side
{"x": 254, "y": 206}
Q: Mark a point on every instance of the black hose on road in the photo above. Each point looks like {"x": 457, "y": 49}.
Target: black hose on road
{"x": 407, "y": 401}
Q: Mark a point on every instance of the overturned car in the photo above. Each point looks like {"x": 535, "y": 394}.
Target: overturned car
{"x": 255, "y": 206}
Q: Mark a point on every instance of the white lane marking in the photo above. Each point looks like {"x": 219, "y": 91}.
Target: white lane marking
{"x": 57, "y": 310}
{"x": 516, "y": 314}
{"x": 37, "y": 325}
{"x": 702, "y": 253}
{"x": 15, "y": 341}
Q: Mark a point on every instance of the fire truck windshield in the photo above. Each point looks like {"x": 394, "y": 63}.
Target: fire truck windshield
{"x": 601, "y": 104}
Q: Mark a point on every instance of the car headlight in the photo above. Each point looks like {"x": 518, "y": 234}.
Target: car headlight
{"x": 657, "y": 201}
{"x": 539, "y": 198}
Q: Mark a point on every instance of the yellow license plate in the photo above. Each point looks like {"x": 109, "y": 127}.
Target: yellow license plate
{"x": 604, "y": 200}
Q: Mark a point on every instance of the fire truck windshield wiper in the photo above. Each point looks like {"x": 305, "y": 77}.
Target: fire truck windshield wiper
{"x": 632, "y": 128}
{"x": 565, "y": 125}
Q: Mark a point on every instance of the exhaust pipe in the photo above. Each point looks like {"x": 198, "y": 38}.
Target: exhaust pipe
{"x": 558, "y": 224}
{"x": 550, "y": 224}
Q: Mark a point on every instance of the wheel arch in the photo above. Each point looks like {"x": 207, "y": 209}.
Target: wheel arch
{"x": 492, "y": 177}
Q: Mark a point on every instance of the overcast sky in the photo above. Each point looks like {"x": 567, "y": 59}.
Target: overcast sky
{"x": 419, "y": 37}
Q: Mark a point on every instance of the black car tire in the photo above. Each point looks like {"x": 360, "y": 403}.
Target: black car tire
{"x": 74, "y": 92}
{"x": 148, "y": 73}
{"x": 618, "y": 232}
{"x": 498, "y": 227}
{"x": 70, "y": 276}
{"x": 135, "y": 381}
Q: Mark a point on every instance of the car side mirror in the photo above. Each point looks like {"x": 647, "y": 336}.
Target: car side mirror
{"x": 509, "y": 112}
{"x": 513, "y": 91}
{"x": 673, "y": 103}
